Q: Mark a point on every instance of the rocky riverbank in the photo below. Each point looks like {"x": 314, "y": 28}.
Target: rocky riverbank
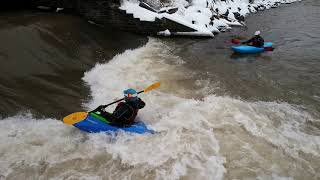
{"x": 205, "y": 17}
{"x": 162, "y": 17}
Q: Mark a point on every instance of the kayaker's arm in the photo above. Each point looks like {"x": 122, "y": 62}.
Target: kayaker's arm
{"x": 99, "y": 108}
{"x": 141, "y": 104}
{"x": 150, "y": 88}
{"x": 247, "y": 42}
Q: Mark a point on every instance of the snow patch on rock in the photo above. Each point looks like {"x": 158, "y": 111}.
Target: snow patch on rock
{"x": 206, "y": 17}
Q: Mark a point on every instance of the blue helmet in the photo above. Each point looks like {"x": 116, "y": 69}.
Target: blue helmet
{"x": 130, "y": 95}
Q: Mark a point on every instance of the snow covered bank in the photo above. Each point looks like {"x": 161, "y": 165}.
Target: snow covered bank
{"x": 204, "y": 17}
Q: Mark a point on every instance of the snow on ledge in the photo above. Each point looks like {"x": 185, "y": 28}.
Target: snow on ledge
{"x": 201, "y": 15}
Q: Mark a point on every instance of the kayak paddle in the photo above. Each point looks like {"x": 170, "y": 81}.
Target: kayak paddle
{"x": 150, "y": 88}
{"x": 79, "y": 116}
{"x": 75, "y": 118}
{"x": 235, "y": 41}
{"x": 268, "y": 48}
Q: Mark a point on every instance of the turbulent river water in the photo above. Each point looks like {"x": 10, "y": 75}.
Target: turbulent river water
{"x": 221, "y": 115}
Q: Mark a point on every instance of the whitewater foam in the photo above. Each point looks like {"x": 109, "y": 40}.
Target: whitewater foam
{"x": 212, "y": 138}
{"x": 192, "y": 122}
{"x": 180, "y": 146}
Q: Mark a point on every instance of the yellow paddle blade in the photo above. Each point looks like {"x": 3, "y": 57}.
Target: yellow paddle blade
{"x": 152, "y": 87}
{"x": 75, "y": 118}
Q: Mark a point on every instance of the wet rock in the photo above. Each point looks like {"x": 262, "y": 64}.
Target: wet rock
{"x": 238, "y": 16}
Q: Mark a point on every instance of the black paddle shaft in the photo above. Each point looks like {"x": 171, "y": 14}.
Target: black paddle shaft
{"x": 119, "y": 100}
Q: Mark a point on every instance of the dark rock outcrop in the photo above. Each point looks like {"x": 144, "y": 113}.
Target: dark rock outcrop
{"x": 107, "y": 13}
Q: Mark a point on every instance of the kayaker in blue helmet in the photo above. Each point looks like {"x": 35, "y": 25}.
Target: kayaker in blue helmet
{"x": 125, "y": 112}
{"x": 256, "y": 41}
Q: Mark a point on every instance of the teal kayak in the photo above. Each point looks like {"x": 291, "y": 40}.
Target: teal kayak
{"x": 245, "y": 49}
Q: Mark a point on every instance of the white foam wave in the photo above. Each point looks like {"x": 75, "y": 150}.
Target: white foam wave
{"x": 181, "y": 147}
{"x": 28, "y": 141}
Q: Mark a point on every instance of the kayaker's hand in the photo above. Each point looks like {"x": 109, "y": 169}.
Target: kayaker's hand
{"x": 100, "y": 108}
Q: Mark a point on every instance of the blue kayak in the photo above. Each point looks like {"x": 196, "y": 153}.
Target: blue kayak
{"x": 94, "y": 123}
{"x": 245, "y": 49}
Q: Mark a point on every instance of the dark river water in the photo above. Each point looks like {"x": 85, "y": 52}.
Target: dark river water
{"x": 222, "y": 115}
{"x": 43, "y": 57}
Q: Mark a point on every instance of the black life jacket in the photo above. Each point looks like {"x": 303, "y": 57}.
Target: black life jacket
{"x": 126, "y": 112}
{"x": 257, "y": 41}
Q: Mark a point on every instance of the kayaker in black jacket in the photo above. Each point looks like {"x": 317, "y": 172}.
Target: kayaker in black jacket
{"x": 256, "y": 41}
{"x": 125, "y": 112}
